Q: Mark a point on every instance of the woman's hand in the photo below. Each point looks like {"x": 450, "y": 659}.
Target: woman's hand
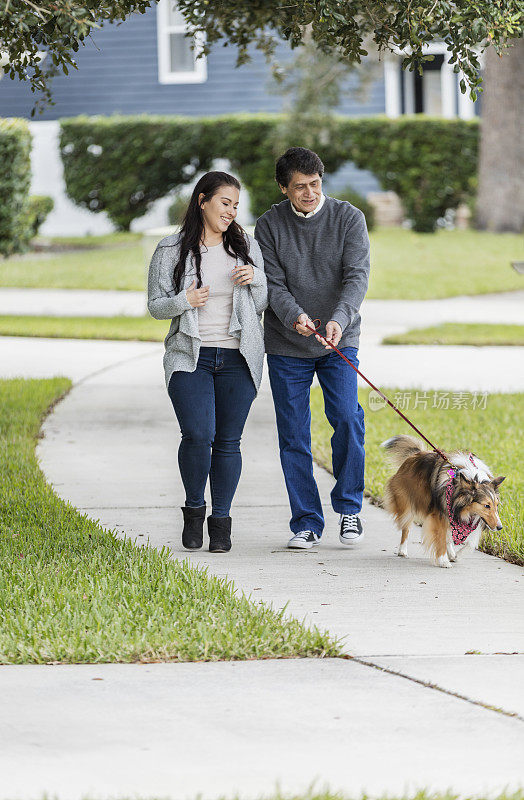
{"x": 197, "y": 297}
{"x": 243, "y": 275}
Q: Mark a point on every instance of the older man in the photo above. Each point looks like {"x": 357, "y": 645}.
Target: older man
{"x": 316, "y": 257}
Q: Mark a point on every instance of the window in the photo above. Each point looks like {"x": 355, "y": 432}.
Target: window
{"x": 436, "y": 92}
{"x": 177, "y": 61}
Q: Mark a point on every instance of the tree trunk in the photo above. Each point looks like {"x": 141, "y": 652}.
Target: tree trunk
{"x": 500, "y": 201}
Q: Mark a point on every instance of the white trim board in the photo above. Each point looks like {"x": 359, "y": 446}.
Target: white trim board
{"x": 449, "y": 84}
{"x": 164, "y": 29}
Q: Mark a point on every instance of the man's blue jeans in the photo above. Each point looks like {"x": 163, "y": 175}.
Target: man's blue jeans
{"x": 211, "y": 405}
{"x": 291, "y": 380}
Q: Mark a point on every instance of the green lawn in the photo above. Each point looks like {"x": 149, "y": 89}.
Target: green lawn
{"x": 89, "y": 242}
{"x": 494, "y": 433}
{"x": 405, "y": 264}
{"x": 102, "y": 267}
{"x": 419, "y": 266}
{"x": 72, "y": 592}
{"x": 145, "y": 329}
{"x": 458, "y": 333}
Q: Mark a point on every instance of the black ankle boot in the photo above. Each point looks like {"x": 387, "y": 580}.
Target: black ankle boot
{"x": 219, "y": 529}
{"x": 193, "y": 533}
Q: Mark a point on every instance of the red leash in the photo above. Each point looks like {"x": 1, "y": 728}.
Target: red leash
{"x": 383, "y": 396}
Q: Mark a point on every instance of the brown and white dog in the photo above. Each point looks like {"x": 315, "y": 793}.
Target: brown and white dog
{"x": 417, "y": 493}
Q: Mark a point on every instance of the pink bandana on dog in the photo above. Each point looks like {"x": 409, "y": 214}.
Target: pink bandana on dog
{"x": 459, "y": 530}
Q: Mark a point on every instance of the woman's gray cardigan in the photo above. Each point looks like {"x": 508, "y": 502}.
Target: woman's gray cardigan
{"x": 182, "y": 343}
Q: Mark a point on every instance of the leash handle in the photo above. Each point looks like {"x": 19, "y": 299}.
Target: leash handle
{"x": 382, "y": 395}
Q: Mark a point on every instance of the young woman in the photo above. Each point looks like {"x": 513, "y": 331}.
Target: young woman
{"x": 209, "y": 280}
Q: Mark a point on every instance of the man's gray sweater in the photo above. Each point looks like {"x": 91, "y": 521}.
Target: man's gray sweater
{"x": 316, "y": 265}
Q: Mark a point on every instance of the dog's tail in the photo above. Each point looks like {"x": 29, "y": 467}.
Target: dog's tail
{"x": 398, "y": 448}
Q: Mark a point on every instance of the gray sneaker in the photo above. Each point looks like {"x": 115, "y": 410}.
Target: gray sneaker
{"x": 350, "y": 529}
{"x": 303, "y": 540}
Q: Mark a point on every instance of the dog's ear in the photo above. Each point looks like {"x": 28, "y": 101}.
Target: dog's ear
{"x": 497, "y": 481}
{"x": 467, "y": 488}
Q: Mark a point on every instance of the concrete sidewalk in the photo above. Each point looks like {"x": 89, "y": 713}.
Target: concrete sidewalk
{"x": 72, "y": 302}
{"x": 387, "y": 317}
{"x": 379, "y": 317}
{"x": 403, "y": 366}
{"x": 31, "y": 357}
{"x": 244, "y": 729}
{"x": 413, "y": 710}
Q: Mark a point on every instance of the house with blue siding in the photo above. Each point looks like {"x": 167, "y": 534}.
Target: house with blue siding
{"x": 146, "y": 65}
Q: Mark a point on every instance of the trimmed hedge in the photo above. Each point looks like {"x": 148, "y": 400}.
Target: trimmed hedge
{"x": 430, "y": 163}
{"x": 122, "y": 164}
{"x": 15, "y": 180}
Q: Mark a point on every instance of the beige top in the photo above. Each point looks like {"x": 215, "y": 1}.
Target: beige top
{"x": 215, "y": 317}
{"x": 182, "y": 343}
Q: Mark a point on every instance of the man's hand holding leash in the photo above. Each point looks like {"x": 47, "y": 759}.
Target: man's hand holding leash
{"x": 333, "y": 330}
{"x": 300, "y": 325}
{"x": 333, "y": 334}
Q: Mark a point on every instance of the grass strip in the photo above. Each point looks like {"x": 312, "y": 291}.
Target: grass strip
{"x": 405, "y": 265}
{"x": 142, "y": 329}
{"x": 146, "y": 329}
{"x": 479, "y": 335}
{"x": 72, "y": 592}
{"x": 489, "y": 425}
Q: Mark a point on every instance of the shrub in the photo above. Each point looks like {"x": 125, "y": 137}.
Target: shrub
{"x": 15, "y": 179}
{"x": 430, "y": 163}
{"x": 358, "y": 201}
{"x": 38, "y": 207}
{"x": 123, "y": 164}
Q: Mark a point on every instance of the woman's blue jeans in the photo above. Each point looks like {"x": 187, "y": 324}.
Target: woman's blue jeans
{"x": 211, "y": 405}
{"x": 291, "y": 380}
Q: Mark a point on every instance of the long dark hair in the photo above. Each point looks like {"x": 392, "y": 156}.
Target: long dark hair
{"x": 235, "y": 242}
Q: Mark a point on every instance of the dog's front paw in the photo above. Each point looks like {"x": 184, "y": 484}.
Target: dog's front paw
{"x": 403, "y": 550}
{"x": 443, "y": 561}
